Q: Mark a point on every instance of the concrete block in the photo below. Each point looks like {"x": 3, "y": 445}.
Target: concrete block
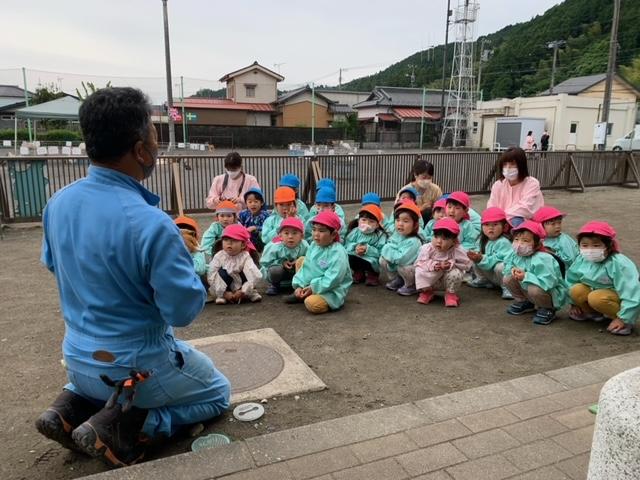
{"x": 535, "y": 386}
{"x": 574, "y": 418}
{"x": 439, "y": 475}
{"x": 535, "y": 429}
{"x": 576, "y": 468}
{"x": 544, "y": 473}
{"x": 536, "y": 455}
{"x": 430, "y": 459}
{"x": 485, "y": 443}
{"x": 578, "y": 396}
{"x": 576, "y": 441}
{"x": 270, "y": 472}
{"x": 387, "y": 469}
{"x": 495, "y": 467}
{"x": 488, "y": 420}
{"x": 383, "y": 447}
{"x": 577, "y": 376}
{"x": 534, "y": 408}
{"x": 320, "y": 463}
{"x": 438, "y": 433}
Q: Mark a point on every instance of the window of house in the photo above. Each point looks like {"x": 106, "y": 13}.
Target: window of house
{"x": 609, "y": 128}
{"x": 573, "y": 128}
{"x": 250, "y": 90}
{"x": 475, "y": 127}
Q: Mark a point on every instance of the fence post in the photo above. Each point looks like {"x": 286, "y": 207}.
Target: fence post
{"x": 571, "y": 164}
{"x": 313, "y": 175}
{"x": 631, "y": 165}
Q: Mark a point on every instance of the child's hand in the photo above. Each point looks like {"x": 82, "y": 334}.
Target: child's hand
{"x": 289, "y": 265}
{"x": 293, "y": 211}
{"x": 575, "y": 311}
{"x": 302, "y": 293}
{"x": 517, "y": 274}
{"x": 616, "y": 325}
{"x": 252, "y": 229}
{"x": 446, "y": 265}
{"x": 474, "y": 256}
{"x": 190, "y": 241}
{"x": 361, "y": 249}
{"x": 437, "y": 267}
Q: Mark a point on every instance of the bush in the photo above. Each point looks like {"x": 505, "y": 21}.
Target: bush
{"x": 60, "y": 136}
{"x": 23, "y": 134}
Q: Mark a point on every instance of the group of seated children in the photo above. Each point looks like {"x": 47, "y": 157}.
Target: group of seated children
{"x": 315, "y": 255}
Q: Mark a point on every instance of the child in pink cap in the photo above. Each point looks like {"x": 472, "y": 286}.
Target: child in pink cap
{"x": 437, "y": 212}
{"x": 324, "y": 277}
{"x": 556, "y": 242}
{"x": 457, "y": 208}
{"x": 493, "y": 249}
{"x": 603, "y": 283}
{"x": 533, "y": 276}
{"x": 232, "y": 271}
{"x": 441, "y": 264}
{"x": 279, "y": 257}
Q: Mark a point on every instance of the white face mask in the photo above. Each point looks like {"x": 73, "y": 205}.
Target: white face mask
{"x": 510, "y": 173}
{"x": 366, "y": 228}
{"x": 423, "y": 183}
{"x": 233, "y": 174}
{"x": 593, "y": 254}
{"x": 522, "y": 249}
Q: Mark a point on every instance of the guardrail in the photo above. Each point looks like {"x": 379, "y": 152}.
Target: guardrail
{"x": 26, "y": 183}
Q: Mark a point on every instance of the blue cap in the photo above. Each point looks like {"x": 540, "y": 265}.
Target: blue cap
{"x": 444, "y": 196}
{"x": 326, "y": 182}
{"x": 290, "y": 180}
{"x": 411, "y": 190}
{"x": 256, "y": 191}
{"x": 371, "y": 198}
{"x": 326, "y": 195}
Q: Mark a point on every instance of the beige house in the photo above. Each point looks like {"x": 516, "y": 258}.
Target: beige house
{"x": 294, "y": 109}
{"x": 570, "y": 113}
{"x": 252, "y": 84}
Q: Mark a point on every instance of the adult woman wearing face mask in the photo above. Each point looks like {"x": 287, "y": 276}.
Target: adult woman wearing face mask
{"x": 428, "y": 192}
{"x": 516, "y": 192}
{"x": 232, "y": 184}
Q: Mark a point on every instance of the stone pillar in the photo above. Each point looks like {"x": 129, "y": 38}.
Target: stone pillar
{"x": 615, "y": 452}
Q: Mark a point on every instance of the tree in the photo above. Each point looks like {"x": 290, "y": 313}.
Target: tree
{"x": 631, "y": 73}
{"x": 89, "y": 88}
{"x": 45, "y": 93}
{"x": 209, "y": 93}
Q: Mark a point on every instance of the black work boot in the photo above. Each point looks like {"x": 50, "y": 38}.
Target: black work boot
{"x": 113, "y": 436}
{"x": 65, "y": 414}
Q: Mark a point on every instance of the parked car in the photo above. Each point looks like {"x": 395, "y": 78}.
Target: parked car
{"x": 631, "y": 141}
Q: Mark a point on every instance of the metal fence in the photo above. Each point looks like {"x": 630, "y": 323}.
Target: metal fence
{"x": 26, "y": 183}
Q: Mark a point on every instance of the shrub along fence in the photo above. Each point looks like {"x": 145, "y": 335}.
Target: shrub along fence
{"x": 26, "y": 183}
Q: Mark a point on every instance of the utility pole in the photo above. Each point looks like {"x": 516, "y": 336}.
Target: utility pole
{"x": 484, "y": 56}
{"x": 184, "y": 117}
{"x": 313, "y": 114}
{"x": 611, "y": 69}
{"x": 167, "y": 59}
{"x": 26, "y": 100}
{"x": 424, "y": 92}
{"x": 444, "y": 63}
{"x": 412, "y": 77}
{"x": 555, "y": 45}
{"x": 340, "y": 80}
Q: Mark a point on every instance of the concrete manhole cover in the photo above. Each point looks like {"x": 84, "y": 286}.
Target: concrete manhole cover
{"x": 249, "y": 364}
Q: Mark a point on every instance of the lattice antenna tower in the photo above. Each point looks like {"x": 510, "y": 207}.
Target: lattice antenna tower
{"x": 461, "y": 98}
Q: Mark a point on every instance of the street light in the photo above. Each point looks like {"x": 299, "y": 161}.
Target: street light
{"x": 167, "y": 59}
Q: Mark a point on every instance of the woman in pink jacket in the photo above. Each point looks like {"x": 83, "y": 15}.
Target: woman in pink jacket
{"x": 517, "y": 193}
{"x": 231, "y": 185}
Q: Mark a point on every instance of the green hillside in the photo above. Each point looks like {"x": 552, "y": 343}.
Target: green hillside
{"x": 520, "y": 62}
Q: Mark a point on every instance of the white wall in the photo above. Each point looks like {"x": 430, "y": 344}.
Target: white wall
{"x": 346, "y": 97}
{"x": 265, "y": 87}
{"x": 258, "y": 119}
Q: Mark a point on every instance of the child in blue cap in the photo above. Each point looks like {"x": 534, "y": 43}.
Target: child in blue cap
{"x": 253, "y": 217}
{"x": 325, "y": 201}
{"x": 407, "y": 193}
{"x": 331, "y": 184}
{"x": 292, "y": 181}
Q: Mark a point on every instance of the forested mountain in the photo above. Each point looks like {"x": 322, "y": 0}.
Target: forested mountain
{"x": 519, "y": 62}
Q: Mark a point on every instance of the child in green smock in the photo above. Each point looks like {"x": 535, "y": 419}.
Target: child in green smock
{"x": 226, "y": 214}
{"x": 284, "y": 200}
{"x": 364, "y": 242}
{"x": 458, "y": 204}
{"x": 325, "y": 201}
{"x": 561, "y": 244}
{"x": 279, "y": 257}
{"x": 437, "y": 212}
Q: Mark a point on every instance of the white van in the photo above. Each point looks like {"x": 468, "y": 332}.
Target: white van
{"x": 631, "y": 141}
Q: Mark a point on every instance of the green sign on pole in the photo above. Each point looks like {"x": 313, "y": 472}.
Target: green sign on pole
{"x": 192, "y": 117}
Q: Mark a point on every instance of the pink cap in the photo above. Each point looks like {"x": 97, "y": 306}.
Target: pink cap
{"x": 601, "y": 228}
{"x": 328, "y": 219}
{"x": 440, "y": 203}
{"x": 493, "y": 214}
{"x": 238, "y": 232}
{"x": 547, "y": 213}
{"x": 533, "y": 227}
{"x": 460, "y": 197}
{"x": 292, "y": 222}
{"x": 447, "y": 224}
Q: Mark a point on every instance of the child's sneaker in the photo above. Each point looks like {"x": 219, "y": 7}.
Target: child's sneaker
{"x": 480, "y": 282}
{"x": 395, "y": 284}
{"x": 272, "y": 290}
{"x": 506, "y": 294}
{"x": 426, "y": 297}
{"x": 358, "y": 276}
{"x": 210, "y": 298}
{"x": 220, "y": 301}
{"x": 255, "y": 297}
{"x": 451, "y": 299}
{"x": 372, "y": 279}
{"x": 544, "y": 316}
{"x": 519, "y": 308}
{"x": 407, "y": 291}
{"x": 291, "y": 299}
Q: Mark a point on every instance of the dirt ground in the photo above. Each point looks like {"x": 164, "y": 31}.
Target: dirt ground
{"x": 380, "y": 350}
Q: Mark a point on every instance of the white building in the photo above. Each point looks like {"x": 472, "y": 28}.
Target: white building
{"x": 570, "y": 113}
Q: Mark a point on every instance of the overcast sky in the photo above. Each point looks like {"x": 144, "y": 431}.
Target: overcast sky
{"x": 310, "y": 41}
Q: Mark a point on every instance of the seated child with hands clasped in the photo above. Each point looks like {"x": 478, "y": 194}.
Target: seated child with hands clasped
{"x": 556, "y": 241}
{"x": 364, "y": 242}
{"x": 279, "y": 258}
{"x": 533, "y": 276}
{"x": 232, "y": 272}
{"x": 226, "y": 214}
{"x": 254, "y": 216}
{"x": 441, "y": 264}
{"x": 323, "y": 280}
{"x": 603, "y": 282}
